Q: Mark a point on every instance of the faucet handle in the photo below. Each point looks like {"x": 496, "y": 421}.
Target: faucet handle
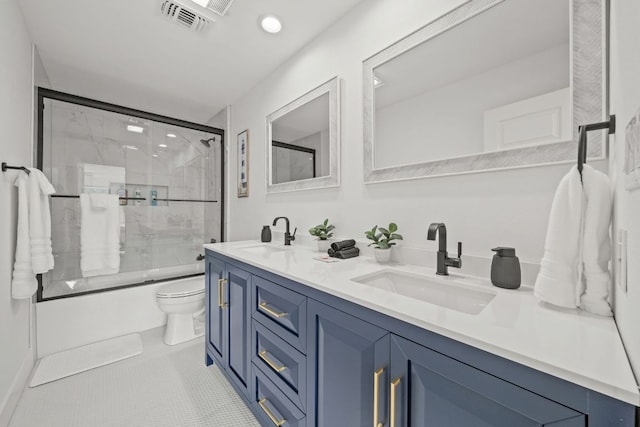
{"x": 293, "y": 236}
{"x": 459, "y": 249}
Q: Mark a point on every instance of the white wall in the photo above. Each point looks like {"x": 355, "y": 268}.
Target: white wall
{"x": 625, "y": 102}
{"x": 16, "y": 356}
{"x": 482, "y": 210}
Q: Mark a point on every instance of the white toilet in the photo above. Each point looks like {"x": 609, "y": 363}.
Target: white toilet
{"x": 183, "y": 301}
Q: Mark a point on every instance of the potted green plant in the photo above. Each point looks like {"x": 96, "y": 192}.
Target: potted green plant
{"x": 383, "y": 241}
{"x": 323, "y": 232}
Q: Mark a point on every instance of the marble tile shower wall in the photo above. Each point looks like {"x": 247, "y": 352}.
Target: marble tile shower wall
{"x": 157, "y": 241}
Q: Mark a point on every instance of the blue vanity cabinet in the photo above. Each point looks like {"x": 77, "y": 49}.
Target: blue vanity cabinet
{"x": 301, "y": 357}
{"x": 228, "y": 326}
{"x": 214, "y": 274}
{"x": 285, "y": 366}
{"x": 347, "y": 365}
{"x": 428, "y": 388}
{"x": 237, "y": 331}
{"x": 281, "y": 310}
{"x": 270, "y": 406}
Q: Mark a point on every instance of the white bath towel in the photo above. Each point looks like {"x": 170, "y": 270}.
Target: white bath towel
{"x": 33, "y": 246}
{"x": 24, "y": 283}
{"x": 40, "y": 221}
{"x": 596, "y": 250}
{"x": 559, "y": 279}
{"x": 99, "y": 234}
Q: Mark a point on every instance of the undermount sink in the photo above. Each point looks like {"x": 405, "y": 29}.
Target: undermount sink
{"x": 263, "y": 249}
{"x": 444, "y": 292}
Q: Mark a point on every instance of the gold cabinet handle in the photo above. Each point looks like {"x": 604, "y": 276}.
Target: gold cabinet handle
{"x": 376, "y": 398}
{"x": 275, "y": 367}
{"x": 265, "y": 306}
{"x": 221, "y": 302}
{"x": 394, "y": 386}
{"x": 267, "y": 411}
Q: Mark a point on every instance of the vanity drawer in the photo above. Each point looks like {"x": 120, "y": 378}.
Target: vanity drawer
{"x": 280, "y": 362}
{"x": 281, "y": 310}
{"x": 271, "y": 406}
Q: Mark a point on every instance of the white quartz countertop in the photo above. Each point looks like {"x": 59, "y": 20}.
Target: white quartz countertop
{"x": 570, "y": 344}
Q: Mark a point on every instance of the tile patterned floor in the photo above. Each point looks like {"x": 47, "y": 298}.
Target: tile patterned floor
{"x": 164, "y": 386}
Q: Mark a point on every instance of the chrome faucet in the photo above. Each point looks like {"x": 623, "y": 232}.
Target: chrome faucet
{"x": 444, "y": 262}
{"x": 288, "y": 237}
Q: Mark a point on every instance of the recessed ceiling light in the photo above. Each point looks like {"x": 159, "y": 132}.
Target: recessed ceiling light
{"x": 136, "y": 129}
{"x": 171, "y": 135}
{"x": 154, "y": 155}
{"x": 130, "y": 147}
{"x": 271, "y": 24}
{"x": 162, "y": 145}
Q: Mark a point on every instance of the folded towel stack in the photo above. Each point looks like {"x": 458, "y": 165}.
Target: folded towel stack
{"x": 344, "y": 249}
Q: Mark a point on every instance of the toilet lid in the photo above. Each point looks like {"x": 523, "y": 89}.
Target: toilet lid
{"x": 181, "y": 289}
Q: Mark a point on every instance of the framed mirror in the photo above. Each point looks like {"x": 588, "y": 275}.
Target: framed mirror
{"x": 303, "y": 140}
{"x": 486, "y": 87}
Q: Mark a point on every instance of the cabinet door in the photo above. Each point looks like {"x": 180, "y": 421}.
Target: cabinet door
{"x": 236, "y": 294}
{"x": 430, "y": 389}
{"x": 344, "y": 354}
{"x": 215, "y": 313}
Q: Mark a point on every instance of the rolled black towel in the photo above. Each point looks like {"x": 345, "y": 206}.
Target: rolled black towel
{"x": 331, "y": 252}
{"x": 338, "y": 246}
{"x": 347, "y": 253}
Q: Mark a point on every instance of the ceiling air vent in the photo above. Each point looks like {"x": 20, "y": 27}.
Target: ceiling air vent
{"x": 218, "y": 6}
{"x": 184, "y": 16}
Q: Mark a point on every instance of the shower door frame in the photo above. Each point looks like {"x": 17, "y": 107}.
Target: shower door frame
{"x": 43, "y": 93}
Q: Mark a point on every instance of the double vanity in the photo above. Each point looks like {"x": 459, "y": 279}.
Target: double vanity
{"x": 356, "y": 343}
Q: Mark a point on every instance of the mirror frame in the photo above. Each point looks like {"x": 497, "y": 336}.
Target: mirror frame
{"x": 332, "y": 87}
{"x": 588, "y": 88}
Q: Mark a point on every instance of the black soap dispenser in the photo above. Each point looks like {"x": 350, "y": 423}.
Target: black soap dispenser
{"x": 505, "y": 268}
{"x": 265, "y": 236}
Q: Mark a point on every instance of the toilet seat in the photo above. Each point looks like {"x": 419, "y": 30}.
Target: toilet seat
{"x": 183, "y": 289}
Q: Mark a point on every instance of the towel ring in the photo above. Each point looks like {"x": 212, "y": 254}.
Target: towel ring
{"x": 582, "y": 139}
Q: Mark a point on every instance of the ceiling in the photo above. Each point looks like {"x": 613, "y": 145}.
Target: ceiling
{"x": 125, "y": 52}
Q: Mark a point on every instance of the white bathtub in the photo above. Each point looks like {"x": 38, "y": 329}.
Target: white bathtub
{"x": 71, "y": 322}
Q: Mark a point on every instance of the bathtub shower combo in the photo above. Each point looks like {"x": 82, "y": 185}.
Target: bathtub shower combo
{"x": 168, "y": 175}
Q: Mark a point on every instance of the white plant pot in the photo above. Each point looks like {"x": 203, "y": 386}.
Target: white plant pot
{"x": 382, "y": 255}
{"x": 323, "y": 245}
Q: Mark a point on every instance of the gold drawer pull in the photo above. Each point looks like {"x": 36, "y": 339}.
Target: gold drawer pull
{"x": 376, "y": 397}
{"x": 394, "y": 387}
{"x": 267, "y": 411}
{"x": 221, "y": 302}
{"x": 263, "y": 356}
{"x": 265, "y": 306}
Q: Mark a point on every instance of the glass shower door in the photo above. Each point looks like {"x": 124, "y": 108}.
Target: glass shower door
{"x": 168, "y": 179}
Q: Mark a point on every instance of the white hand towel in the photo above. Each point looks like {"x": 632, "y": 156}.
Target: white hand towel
{"x": 558, "y": 281}
{"x": 97, "y": 201}
{"x": 24, "y": 283}
{"x": 99, "y": 235}
{"x": 40, "y": 221}
{"x": 596, "y": 251}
